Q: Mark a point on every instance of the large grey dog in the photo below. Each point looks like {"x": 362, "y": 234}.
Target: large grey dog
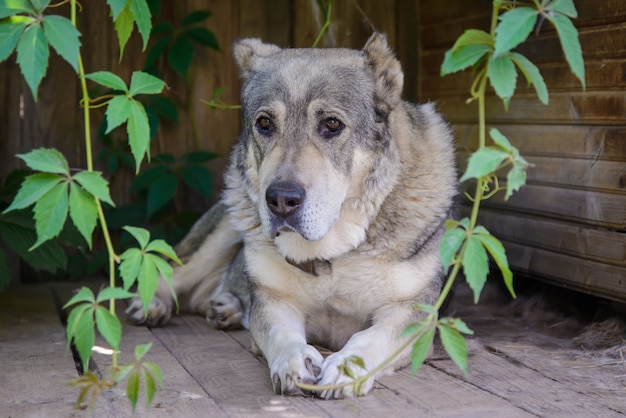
{"x": 337, "y": 191}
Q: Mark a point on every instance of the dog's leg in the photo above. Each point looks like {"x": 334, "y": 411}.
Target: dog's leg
{"x": 373, "y": 345}
{"x": 278, "y": 332}
{"x": 196, "y": 280}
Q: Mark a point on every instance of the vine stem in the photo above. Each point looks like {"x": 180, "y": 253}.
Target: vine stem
{"x": 89, "y": 158}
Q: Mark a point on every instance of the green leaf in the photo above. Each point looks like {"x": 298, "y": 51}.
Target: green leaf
{"x": 514, "y": 27}
{"x": 483, "y": 162}
{"x": 565, "y": 7}
{"x": 130, "y": 265}
{"x": 463, "y": 58}
{"x": 81, "y": 329}
{"x": 32, "y": 56}
{"x": 155, "y": 371}
{"x": 457, "y": 324}
{"x": 148, "y": 177}
{"x": 32, "y": 189}
{"x": 124, "y": 24}
{"x": 196, "y": 17}
{"x": 132, "y": 387}
{"x": 144, "y": 83}
{"x": 117, "y": 112}
{"x": 116, "y": 7}
{"x": 475, "y": 265}
{"x": 141, "y": 350}
{"x": 180, "y": 55}
{"x": 50, "y": 213}
{"x": 83, "y": 211}
{"x": 17, "y": 230}
{"x": 138, "y": 132}
{"x": 109, "y": 327}
{"x": 500, "y": 140}
{"x": 455, "y": 345}
{"x": 421, "y": 348}
{"x": 63, "y": 37}
{"x": 48, "y": 160}
{"x": 160, "y": 192}
{"x": 109, "y": 293}
{"x": 85, "y": 294}
{"x": 532, "y": 74}
{"x": 108, "y": 79}
{"x": 140, "y": 234}
{"x": 198, "y": 157}
{"x": 148, "y": 281}
{"x": 12, "y": 7}
{"x": 473, "y": 37}
{"x": 95, "y": 184}
{"x": 450, "y": 245}
{"x": 498, "y": 253}
{"x": 198, "y": 178}
{"x": 203, "y": 36}
{"x": 568, "y": 35}
{"x": 142, "y": 16}
{"x": 150, "y": 386}
{"x": 162, "y": 266}
{"x": 162, "y": 247}
{"x": 39, "y": 5}
{"x": 515, "y": 179}
{"x": 415, "y": 328}
{"x": 10, "y": 32}
{"x": 503, "y": 77}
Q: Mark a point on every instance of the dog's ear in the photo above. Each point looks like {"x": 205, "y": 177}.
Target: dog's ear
{"x": 246, "y": 51}
{"x": 387, "y": 71}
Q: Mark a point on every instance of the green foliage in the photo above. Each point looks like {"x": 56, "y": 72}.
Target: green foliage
{"x": 143, "y": 266}
{"x": 124, "y": 108}
{"x": 56, "y": 192}
{"x": 177, "y": 43}
{"x": 162, "y": 179}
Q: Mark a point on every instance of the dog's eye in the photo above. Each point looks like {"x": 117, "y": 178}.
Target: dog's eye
{"x": 331, "y": 127}
{"x": 264, "y": 125}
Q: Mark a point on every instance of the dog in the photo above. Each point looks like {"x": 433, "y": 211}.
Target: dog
{"x": 329, "y": 227}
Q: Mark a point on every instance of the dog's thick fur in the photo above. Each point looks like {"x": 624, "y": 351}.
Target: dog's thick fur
{"x": 338, "y": 191}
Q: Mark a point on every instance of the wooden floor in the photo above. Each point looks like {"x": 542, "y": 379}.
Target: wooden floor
{"x": 518, "y": 368}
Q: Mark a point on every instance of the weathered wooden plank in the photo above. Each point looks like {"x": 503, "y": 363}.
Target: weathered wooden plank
{"x": 597, "y": 143}
{"x": 527, "y": 388}
{"x": 583, "y": 206}
{"x": 601, "y": 245}
{"x": 592, "y": 108}
{"x": 35, "y": 366}
{"x": 590, "y": 174}
{"x": 601, "y": 279}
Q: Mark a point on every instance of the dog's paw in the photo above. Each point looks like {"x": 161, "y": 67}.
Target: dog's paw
{"x": 334, "y": 374}
{"x": 159, "y": 313}
{"x": 301, "y": 364}
{"x": 225, "y": 312}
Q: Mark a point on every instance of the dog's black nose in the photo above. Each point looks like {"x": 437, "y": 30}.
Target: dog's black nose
{"x": 284, "y": 198}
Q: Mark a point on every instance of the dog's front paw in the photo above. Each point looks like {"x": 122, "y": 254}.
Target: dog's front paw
{"x": 159, "y": 313}
{"x": 225, "y": 312}
{"x": 340, "y": 371}
{"x": 301, "y": 364}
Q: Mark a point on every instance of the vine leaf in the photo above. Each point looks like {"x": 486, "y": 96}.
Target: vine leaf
{"x": 475, "y": 265}
{"x": 502, "y": 76}
{"x": 453, "y": 342}
{"x": 141, "y": 265}
{"x": 150, "y": 372}
{"x": 514, "y": 27}
{"x": 83, "y": 211}
{"x": 421, "y": 348}
{"x": 532, "y": 74}
{"x": 144, "y": 83}
{"x": 498, "y": 253}
{"x": 10, "y": 31}
{"x": 108, "y": 79}
{"x": 16, "y": 6}
{"x": 568, "y": 36}
{"x": 483, "y": 162}
{"x": 32, "y": 56}
{"x": 63, "y": 37}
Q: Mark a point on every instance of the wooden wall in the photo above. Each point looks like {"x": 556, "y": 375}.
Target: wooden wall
{"x": 568, "y": 225}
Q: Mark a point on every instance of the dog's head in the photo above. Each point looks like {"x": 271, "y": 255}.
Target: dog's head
{"x": 315, "y": 130}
